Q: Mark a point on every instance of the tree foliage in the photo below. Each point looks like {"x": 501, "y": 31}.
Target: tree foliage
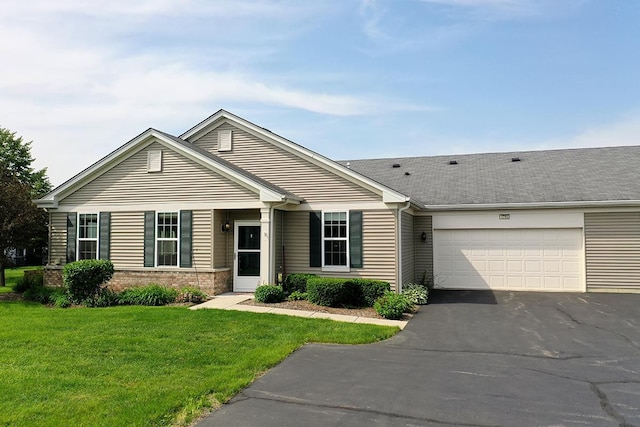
{"x": 22, "y": 224}
{"x": 15, "y": 156}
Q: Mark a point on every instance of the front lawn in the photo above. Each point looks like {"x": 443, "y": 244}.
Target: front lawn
{"x": 138, "y": 366}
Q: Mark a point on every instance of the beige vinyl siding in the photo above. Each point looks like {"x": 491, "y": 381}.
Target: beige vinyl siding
{"x": 220, "y": 240}
{"x": 202, "y": 239}
{"x": 378, "y": 246}
{"x": 612, "y": 246}
{"x": 58, "y": 238}
{"x": 181, "y": 180}
{"x": 282, "y": 168}
{"x": 408, "y": 249}
{"x": 127, "y": 239}
{"x": 278, "y": 238}
{"x": 423, "y": 250}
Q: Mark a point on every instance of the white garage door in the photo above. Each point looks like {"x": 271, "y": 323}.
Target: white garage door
{"x": 509, "y": 259}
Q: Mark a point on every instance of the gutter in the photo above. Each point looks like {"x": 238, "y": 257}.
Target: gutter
{"x": 532, "y": 205}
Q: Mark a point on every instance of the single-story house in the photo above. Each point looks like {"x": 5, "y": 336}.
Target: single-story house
{"x": 229, "y": 205}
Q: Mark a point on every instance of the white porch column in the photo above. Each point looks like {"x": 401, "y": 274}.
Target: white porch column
{"x": 265, "y": 245}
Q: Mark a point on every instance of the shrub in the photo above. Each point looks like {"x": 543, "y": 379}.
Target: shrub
{"x": 60, "y": 298}
{"x": 332, "y": 292}
{"x": 416, "y": 294}
{"x": 104, "y": 298}
{"x": 391, "y": 305}
{"x": 297, "y": 296}
{"x": 190, "y": 294}
{"x": 152, "y": 295}
{"x": 371, "y": 290}
{"x": 84, "y": 278}
{"x": 39, "y": 294}
{"x": 30, "y": 279}
{"x": 296, "y": 282}
{"x": 269, "y": 294}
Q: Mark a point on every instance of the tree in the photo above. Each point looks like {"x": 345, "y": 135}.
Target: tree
{"x": 20, "y": 219}
{"x": 22, "y": 224}
{"x": 15, "y": 156}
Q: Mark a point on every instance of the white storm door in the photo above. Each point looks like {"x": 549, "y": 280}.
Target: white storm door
{"x": 246, "y": 268}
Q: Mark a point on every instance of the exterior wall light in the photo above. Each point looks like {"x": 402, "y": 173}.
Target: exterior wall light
{"x": 225, "y": 227}
{"x": 423, "y": 236}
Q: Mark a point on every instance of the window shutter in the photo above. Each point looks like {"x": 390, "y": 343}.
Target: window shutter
{"x": 72, "y": 222}
{"x": 149, "y": 238}
{"x": 315, "y": 239}
{"x": 105, "y": 235}
{"x": 186, "y": 238}
{"x": 355, "y": 238}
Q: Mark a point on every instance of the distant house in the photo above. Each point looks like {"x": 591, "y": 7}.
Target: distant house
{"x": 229, "y": 205}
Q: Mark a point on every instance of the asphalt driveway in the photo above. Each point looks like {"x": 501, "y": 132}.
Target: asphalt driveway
{"x": 469, "y": 358}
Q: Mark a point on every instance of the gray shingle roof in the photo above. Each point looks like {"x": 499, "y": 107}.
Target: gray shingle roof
{"x": 570, "y": 175}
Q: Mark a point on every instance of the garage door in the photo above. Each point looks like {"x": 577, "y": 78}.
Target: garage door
{"x": 509, "y": 259}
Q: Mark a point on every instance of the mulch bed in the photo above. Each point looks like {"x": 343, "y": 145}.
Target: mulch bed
{"x": 306, "y": 305}
{"x": 10, "y": 296}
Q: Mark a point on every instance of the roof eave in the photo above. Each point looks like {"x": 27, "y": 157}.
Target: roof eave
{"x": 535, "y": 205}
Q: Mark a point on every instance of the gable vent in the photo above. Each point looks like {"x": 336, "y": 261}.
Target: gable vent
{"x": 225, "y": 138}
{"x": 515, "y": 159}
{"x": 453, "y": 162}
{"x": 396, "y": 165}
{"x": 154, "y": 161}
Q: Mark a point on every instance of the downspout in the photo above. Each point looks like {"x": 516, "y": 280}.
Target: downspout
{"x": 272, "y": 240}
{"x": 399, "y": 232}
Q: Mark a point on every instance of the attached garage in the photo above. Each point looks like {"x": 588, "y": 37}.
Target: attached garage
{"x": 496, "y": 255}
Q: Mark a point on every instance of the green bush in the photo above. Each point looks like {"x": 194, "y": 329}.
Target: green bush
{"x": 60, "y": 298}
{"x": 83, "y": 279}
{"x": 296, "y": 282}
{"x": 30, "y": 279}
{"x": 417, "y": 294}
{"x": 269, "y": 294}
{"x": 191, "y": 294}
{"x": 332, "y": 292}
{"x": 152, "y": 295}
{"x": 41, "y": 294}
{"x": 297, "y": 296}
{"x": 371, "y": 290}
{"x": 104, "y": 298}
{"x": 392, "y": 305}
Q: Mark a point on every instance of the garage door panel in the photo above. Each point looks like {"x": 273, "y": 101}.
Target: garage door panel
{"x": 524, "y": 259}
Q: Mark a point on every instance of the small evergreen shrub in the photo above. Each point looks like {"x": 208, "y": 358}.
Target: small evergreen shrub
{"x": 191, "y": 294}
{"x": 151, "y": 295}
{"x": 30, "y": 279}
{"x": 417, "y": 294}
{"x": 332, "y": 292}
{"x": 371, "y": 290}
{"x": 296, "y": 282}
{"x": 392, "y": 305}
{"x": 297, "y": 296}
{"x": 83, "y": 279}
{"x": 269, "y": 294}
{"x": 41, "y": 294}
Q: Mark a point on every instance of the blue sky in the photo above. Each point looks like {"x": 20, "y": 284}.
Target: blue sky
{"x": 348, "y": 79}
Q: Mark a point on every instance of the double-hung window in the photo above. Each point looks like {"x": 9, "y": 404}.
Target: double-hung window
{"x": 167, "y": 239}
{"x": 335, "y": 240}
{"x": 87, "y": 236}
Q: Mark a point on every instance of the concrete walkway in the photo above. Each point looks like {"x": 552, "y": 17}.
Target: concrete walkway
{"x": 232, "y": 301}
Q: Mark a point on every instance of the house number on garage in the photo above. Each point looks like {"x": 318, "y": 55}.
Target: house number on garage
{"x": 504, "y": 216}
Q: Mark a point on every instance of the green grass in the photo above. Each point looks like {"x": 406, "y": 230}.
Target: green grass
{"x": 12, "y": 275}
{"x": 139, "y": 366}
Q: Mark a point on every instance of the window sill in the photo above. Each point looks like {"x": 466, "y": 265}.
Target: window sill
{"x": 336, "y": 269}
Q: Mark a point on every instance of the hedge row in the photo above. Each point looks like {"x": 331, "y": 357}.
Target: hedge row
{"x": 333, "y": 292}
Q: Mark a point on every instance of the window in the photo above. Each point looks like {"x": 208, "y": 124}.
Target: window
{"x": 87, "y": 236}
{"x": 335, "y": 240}
{"x": 167, "y": 239}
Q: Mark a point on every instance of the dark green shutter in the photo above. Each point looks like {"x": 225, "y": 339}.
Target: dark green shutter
{"x": 105, "y": 235}
{"x": 72, "y": 225}
{"x": 149, "y": 238}
{"x": 315, "y": 239}
{"x": 355, "y": 239}
{"x": 186, "y": 238}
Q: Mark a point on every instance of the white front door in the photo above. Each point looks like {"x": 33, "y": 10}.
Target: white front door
{"x": 246, "y": 268}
